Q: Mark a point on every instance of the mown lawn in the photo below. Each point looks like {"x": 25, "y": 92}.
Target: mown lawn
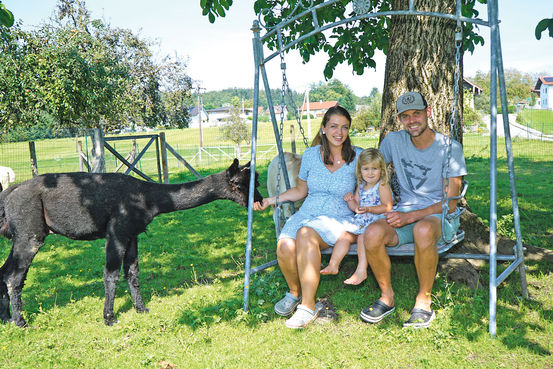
{"x": 541, "y": 120}
{"x": 192, "y": 265}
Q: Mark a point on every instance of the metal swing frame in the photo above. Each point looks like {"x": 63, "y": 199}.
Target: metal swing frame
{"x": 497, "y": 79}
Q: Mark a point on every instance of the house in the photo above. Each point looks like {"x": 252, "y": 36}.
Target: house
{"x": 248, "y": 112}
{"x": 473, "y": 89}
{"x": 219, "y": 115}
{"x": 193, "y": 114}
{"x": 318, "y": 109}
{"x": 544, "y": 90}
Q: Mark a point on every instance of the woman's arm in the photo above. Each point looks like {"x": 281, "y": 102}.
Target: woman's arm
{"x": 293, "y": 194}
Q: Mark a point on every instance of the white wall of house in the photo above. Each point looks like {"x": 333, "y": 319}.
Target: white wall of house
{"x": 546, "y": 96}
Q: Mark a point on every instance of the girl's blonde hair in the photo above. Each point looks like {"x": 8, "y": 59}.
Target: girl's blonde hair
{"x": 369, "y": 156}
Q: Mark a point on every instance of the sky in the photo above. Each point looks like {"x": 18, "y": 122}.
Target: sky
{"x": 220, "y": 55}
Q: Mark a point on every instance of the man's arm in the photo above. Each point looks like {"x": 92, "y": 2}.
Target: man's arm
{"x": 398, "y": 219}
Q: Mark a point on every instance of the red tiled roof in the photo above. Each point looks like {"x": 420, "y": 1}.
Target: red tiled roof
{"x": 543, "y": 80}
{"x": 321, "y": 105}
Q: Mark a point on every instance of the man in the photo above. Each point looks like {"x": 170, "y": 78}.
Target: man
{"x": 419, "y": 156}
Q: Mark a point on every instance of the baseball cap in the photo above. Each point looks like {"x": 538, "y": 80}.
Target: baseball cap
{"x": 410, "y": 100}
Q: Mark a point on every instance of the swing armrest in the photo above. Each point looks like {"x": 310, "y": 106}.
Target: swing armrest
{"x": 464, "y": 187}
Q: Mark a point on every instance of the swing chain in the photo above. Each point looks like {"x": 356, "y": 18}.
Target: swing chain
{"x": 453, "y": 122}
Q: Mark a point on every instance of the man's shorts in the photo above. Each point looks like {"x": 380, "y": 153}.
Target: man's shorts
{"x": 405, "y": 233}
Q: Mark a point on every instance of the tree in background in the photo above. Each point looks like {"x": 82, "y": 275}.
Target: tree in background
{"x": 84, "y": 73}
{"x": 176, "y": 96}
{"x": 518, "y": 86}
{"x": 368, "y": 115}
{"x": 333, "y": 90}
{"x": 236, "y": 129}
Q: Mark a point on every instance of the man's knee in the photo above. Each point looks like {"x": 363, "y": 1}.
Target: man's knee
{"x": 427, "y": 232}
{"x": 376, "y": 236}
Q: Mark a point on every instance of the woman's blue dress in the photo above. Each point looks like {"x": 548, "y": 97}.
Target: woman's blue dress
{"x": 324, "y": 208}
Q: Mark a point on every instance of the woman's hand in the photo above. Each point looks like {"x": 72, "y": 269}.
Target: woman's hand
{"x": 349, "y": 197}
{"x": 264, "y": 204}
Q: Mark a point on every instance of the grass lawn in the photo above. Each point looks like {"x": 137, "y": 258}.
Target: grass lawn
{"x": 192, "y": 265}
{"x": 541, "y": 120}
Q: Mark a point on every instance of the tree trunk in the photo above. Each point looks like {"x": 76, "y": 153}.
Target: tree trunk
{"x": 98, "y": 158}
{"x": 421, "y": 57}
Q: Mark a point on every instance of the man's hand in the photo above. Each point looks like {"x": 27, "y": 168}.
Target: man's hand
{"x": 397, "y": 219}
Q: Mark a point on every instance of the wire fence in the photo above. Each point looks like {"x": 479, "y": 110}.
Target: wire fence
{"x": 61, "y": 155}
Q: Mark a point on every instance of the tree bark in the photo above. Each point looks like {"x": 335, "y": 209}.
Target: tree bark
{"x": 421, "y": 57}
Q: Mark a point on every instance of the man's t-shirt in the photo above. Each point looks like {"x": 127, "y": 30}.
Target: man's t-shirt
{"x": 420, "y": 172}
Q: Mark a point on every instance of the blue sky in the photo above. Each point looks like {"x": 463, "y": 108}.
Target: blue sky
{"x": 220, "y": 55}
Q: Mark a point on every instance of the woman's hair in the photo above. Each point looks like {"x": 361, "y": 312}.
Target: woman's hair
{"x": 348, "y": 154}
{"x": 369, "y": 156}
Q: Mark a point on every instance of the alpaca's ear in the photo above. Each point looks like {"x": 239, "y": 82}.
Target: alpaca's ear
{"x": 233, "y": 169}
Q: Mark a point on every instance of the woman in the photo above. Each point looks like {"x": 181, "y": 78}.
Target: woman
{"x": 327, "y": 173}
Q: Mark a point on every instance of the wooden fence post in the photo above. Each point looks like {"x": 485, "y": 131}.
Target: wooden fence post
{"x": 164, "y": 167}
{"x": 292, "y": 138}
{"x": 32, "y": 152}
{"x": 98, "y": 156}
{"x": 82, "y": 158}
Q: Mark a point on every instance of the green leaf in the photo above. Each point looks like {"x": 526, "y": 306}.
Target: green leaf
{"x": 544, "y": 24}
{"x": 6, "y": 17}
{"x": 211, "y": 18}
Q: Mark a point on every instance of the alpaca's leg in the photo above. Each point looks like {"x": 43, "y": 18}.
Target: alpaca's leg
{"x": 15, "y": 271}
{"x": 114, "y": 256}
{"x": 4, "y": 299}
{"x": 130, "y": 268}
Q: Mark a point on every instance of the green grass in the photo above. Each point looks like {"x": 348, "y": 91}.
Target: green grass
{"x": 541, "y": 120}
{"x": 192, "y": 265}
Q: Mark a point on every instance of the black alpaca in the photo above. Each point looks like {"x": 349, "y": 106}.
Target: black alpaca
{"x": 85, "y": 206}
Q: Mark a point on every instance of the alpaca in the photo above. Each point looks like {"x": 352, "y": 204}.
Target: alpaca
{"x": 84, "y": 206}
{"x": 293, "y": 163}
{"x": 6, "y": 176}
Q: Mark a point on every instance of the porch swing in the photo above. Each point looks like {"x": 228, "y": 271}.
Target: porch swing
{"x": 361, "y": 7}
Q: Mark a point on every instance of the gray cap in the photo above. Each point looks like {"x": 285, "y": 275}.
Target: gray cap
{"x": 410, "y": 100}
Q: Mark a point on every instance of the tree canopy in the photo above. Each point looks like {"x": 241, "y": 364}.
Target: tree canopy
{"x": 352, "y": 43}
{"x": 84, "y": 73}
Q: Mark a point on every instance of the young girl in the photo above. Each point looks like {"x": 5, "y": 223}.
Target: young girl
{"x": 372, "y": 198}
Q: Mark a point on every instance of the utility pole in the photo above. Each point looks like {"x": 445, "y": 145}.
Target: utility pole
{"x": 306, "y": 100}
{"x": 198, "y": 90}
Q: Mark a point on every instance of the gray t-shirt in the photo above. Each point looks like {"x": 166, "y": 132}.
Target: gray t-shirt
{"x": 420, "y": 173}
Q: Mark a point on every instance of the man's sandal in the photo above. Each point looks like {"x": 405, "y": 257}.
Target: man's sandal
{"x": 376, "y": 312}
{"x": 420, "y": 318}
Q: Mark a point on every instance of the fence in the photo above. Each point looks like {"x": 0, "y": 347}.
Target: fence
{"x": 62, "y": 154}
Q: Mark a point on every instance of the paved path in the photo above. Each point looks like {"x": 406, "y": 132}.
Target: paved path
{"x": 516, "y": 129}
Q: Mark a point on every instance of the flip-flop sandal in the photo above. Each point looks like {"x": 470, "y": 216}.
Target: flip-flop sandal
{"x": 376, "y": 312}
{"x": 420, "y": 318}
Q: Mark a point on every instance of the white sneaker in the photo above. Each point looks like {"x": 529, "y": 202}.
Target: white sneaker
{"x": 302, "y": 317}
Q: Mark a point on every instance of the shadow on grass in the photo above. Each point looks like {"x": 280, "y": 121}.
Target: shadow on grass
{"x": 179, "y": 249}
{"x": 533, "y": 182}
